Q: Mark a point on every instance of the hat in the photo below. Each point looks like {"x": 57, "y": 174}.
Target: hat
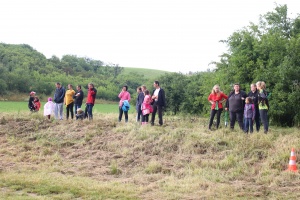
{"x": 32, "y": 92}
{"x": 49, "y": 99}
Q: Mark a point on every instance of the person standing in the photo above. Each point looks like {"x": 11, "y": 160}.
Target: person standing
{"x": 59, "y": 96}
{"x": 235, "y": 104}
{"x": 49, "y": 108}
{"x": 31, "y": 101}
{"x": 69, "y": 101}
{"x": 78, "y": 98}
{"x": 263, "y": 104}
{"x": 249, "y": 115}
{"x": 139, "y": 101}
{"x": 123, "y": 96}
{"x": 159, "y": 101}
{"x": 216, "y": 98}
{"x": 90, "y": 101}
{"x": 146, "y": 107}
{"x": 253, "y": 94}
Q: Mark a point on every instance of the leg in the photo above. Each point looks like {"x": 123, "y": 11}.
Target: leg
{"x": 71, "y": 110}
{"x": 75, "y": 108}
{"x": 48, "y": 116}
{"x": 232, "y": 119}
{"x": 219, "y": 112}
{"x": 239, "y": 116}
{"x": 246, "y": 125}
{"x": 251, "y": 125}
{"x": 146, "y": 118}
{"x": 143, "y": 118}
{"x": 257, "y": 120}
{"x": 61, "y": 110}
{"x": 126, "y": 116}
{"x": 68, "y": 110}
{"x": 90, "y": 111}
{"x": 120, "y": 113}
{"x": 212, "y": 116}
{"x": 153, "y": 114}
{"x": 56, "y": 111}
{"x": 264, "y": 119}
{"x": 160, "y": 115}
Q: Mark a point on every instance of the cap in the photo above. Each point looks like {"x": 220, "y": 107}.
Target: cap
{"x": 32, "y": 92}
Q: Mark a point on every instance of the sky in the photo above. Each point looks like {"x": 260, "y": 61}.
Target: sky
{"x": 171, "y": 35}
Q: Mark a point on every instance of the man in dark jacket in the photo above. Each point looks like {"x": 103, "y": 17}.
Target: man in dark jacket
{"x": 59, "y": 96}
{"x": 159, "y": 101}
{"x": 78, "y": 98}
{"x": 253, "y": 94}
{"x": 235, "y": 104}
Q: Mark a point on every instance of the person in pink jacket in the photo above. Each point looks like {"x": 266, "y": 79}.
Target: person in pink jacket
{"x": 124, "y": 95}
{"x": 146, "y": 107}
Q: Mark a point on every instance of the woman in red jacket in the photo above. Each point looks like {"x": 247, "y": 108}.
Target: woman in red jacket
{"x": 216, "y": 98}
{"x": 90, "y": 101}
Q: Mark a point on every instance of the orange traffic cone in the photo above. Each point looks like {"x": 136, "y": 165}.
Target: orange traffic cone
{"x": 292, "y": 163}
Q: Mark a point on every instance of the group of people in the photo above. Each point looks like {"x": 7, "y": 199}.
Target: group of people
{"x": 146, "y": 104}
{"x": 243, "y": 108}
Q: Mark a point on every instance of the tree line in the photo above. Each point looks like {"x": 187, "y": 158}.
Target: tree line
{"x": 268, "y": 51}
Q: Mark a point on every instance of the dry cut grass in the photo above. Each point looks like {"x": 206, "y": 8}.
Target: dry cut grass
{"x": 104, "y": 159}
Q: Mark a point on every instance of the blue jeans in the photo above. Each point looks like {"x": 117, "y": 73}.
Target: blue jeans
{"x": 90, "y": 110}
{"x": 248, "y": 123}
{"x": 76, "y": 107}
{"x": 58, "y": 109}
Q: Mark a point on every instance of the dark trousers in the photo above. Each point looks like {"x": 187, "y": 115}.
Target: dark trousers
{"x": 90, "y": 110}
{"x": 264, "y": 119}
{"x": 121, "y": 113}
{"x": 139, "y": 114}
{"x": 257, "y": 119}
{"x": 76, "y": 107}
{"x": 158, "y": 109}
{"x": 212, "y": 116}
{"x": 236, "y": 116}
{"x": 70, "y": 110}
{"x": 248, "y": 123}
{"x": 145, "y": 118}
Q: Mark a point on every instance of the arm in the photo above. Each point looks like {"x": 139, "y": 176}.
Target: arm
{"x": 210, "y": 99}
{"x": 163, "y": 97}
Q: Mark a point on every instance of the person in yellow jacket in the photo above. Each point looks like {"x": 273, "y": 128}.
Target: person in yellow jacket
{"x": 69, "y": 101}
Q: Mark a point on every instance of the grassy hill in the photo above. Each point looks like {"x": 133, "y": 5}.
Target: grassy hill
{"x": 104, "y": 159}
{"x": 149, "y": 73}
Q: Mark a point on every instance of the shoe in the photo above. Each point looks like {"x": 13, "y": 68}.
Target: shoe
{"x": 152, "y": 124}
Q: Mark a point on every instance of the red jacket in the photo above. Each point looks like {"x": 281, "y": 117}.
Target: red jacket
{"x": 216, "y": 97}
{"x": 91, "y": 96}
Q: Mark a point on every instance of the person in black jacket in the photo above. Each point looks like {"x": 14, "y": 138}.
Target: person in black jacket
{"x": 31, "y": 101}
{"x": 159, "y": 101}
{"x": 235, "y": 104}
{"x": 139, "y": 101}
{"x": 78, "y": 98}
{"x": 59, "y": 96}
{"x": 253, "y": 94}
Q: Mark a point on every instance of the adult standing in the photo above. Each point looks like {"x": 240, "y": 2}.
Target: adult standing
{"x": 263, "y": 104}
{"x": 123, "y": 96}
{"x": 139, "y": 101}
{"x": 78, "y": 98}
{"x": 235, "y": 104}
{"x": 31, "y": 101}
{"x": 253, "y": 94}
{"x": 216, "y": 98}
{"x": 90, "y": 101}
{"x": 159, "y": 101}
{"x": 69, "y": 101}
{"x": 59, "y": 96}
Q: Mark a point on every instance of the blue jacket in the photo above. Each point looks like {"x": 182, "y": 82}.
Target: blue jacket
{"x": 125, "y": 106}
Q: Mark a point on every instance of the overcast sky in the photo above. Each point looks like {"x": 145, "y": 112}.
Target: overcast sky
{"x": 170, "y": 35}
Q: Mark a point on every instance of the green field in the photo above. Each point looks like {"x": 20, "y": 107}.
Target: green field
{"x": 149, "y": 73}
{"x": 10, "y": 106}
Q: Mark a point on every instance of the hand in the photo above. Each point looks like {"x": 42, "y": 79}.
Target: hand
{"x": 226, "y": 109}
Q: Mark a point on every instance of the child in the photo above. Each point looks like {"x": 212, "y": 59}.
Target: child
{"x": 37, "y": 104}
{"x": 146, "y": 107}
{"x": 249, "y": 115}
{"x": 49, "y": 108}
{"x": 80, "y": 114}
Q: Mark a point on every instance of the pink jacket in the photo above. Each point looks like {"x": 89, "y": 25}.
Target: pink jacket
{"x": 124, "y": 95}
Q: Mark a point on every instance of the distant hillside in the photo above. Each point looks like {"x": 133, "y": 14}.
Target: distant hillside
{"x": 148, "y": 73}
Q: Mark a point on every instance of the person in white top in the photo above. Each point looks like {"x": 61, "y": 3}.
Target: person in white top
{"x": 159, "y": 101}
